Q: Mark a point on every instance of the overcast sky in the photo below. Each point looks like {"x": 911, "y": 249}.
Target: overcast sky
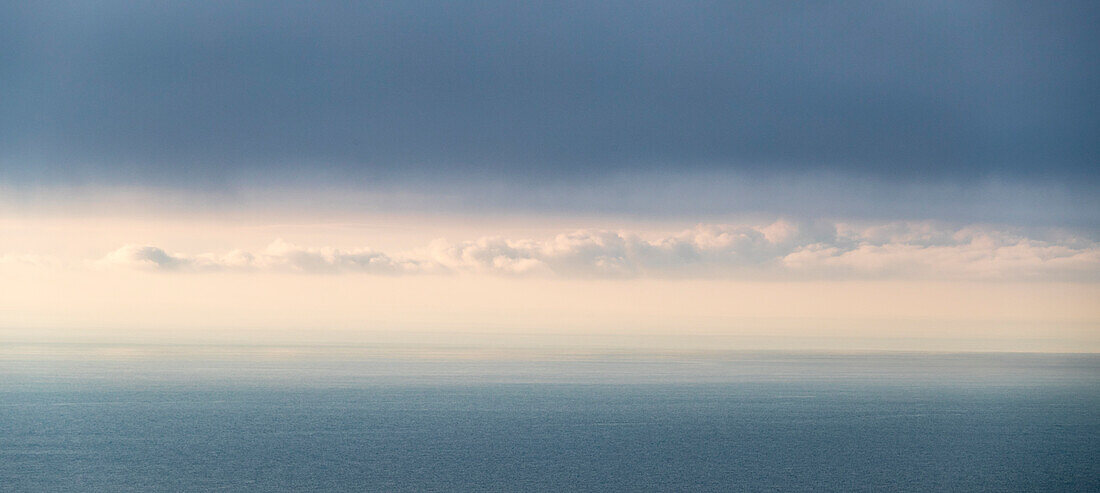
{"x": 903, "y": 170}
{"x": 200, "y": 95}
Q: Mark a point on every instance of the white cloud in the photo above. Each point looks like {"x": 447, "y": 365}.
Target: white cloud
{"x": 781, "y": 250}
{"x": 30, "y": 260}
{"x": 147, "y": 257}
{"x": 279, "y": 255}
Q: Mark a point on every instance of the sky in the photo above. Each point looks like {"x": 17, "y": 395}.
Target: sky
{"x": 739, "y": 175}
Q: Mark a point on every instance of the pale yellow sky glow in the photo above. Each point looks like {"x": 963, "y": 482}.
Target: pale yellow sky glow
{"x": 912, "y": 286}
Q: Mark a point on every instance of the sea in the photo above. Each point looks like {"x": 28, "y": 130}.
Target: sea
{"x": 163, "y": 418}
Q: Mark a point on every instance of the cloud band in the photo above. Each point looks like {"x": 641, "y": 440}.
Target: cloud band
{"x": 780, "y": 250}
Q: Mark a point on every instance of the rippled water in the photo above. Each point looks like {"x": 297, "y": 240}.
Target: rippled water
{"x": 775, "y": 422}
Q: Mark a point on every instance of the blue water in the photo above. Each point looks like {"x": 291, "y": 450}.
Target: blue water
{"x": 850, "y": 423}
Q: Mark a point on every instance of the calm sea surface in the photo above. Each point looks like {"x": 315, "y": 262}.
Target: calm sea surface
{"x": 718, "y": 422}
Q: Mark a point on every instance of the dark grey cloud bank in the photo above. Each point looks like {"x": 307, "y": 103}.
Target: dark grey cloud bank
{"x": 208, "y": 94}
